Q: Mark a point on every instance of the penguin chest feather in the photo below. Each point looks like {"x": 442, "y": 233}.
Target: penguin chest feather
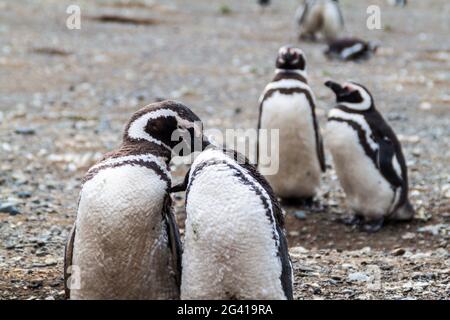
{"x": 367, "y": 191}
{"x": 121, "y": 241}
{"x": 295, "y": 153}
{"x": 231, "y": 241}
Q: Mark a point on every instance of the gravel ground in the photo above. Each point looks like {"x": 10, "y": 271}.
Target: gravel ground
{"x": 66, "y": 94}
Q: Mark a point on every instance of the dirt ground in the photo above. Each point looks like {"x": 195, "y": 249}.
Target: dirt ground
{"x": 66, "y": 94}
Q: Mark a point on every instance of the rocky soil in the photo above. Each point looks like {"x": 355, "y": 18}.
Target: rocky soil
{"x": 66, "y": 94}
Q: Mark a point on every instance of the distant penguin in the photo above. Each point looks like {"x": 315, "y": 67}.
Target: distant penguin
{"x": 288, "y": 105}
{"x": 350, "y": 49}
{"x": 235, "y": 246}
{"x": 319, "y": 16}
{"x": 264, "y": 3}
{"x": 400, "y": 3}
{"x": 125, "y": 242}
{"x": 367, "y": 157}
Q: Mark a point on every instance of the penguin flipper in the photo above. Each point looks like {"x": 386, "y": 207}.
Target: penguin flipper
{"x": 68, "y": 255}
{"x": 386, "y": 159}
{"x": 301, "y": 17}
{"x": 173, "y": 234}
{"x": 320, "y": 152}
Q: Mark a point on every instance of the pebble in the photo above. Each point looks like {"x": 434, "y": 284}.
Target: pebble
{"x": 9, "y": 208}
{"x": 408, "y": 236}
{"x": 24, "y": 194}
{"x": 398, "y": 252}
{"x": 434, "y": 229}
{"x": 25, "y": 131}
{"x": 299, "y": 214}
{"x": 358, "y": 276}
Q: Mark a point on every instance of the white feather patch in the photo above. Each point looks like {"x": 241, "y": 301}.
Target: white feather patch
{"x": 219, "y": 155}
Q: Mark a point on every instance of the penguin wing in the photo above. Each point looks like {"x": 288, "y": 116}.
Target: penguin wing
{"x": 68, "y": 254}
{"x": 319, "y": 141}
{"x": 341, "y": 17}
{"x": 302, "y": 13}
{"x": 388, "y": 162}
{"x": 174, "y": 238}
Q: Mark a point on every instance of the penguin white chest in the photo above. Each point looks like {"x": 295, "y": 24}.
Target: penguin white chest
{"x": 295, "y": 154}
{"x": 367, "y": 191}
{"x": 121, "y": 241}
{"x": 230, "y": 250}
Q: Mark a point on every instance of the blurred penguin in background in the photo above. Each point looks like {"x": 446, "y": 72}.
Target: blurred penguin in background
{"x": 400, "y": 3}
{"x": 350, "y": 49}
{"x": 264, "y": 4}
{"x": 319, "y": 17}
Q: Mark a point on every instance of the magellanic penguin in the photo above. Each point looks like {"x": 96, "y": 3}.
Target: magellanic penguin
{"x": 125, "y": 242}
{"x": 288, "y": 105}
{"x": 319, "y": 17}
{"x": 235, "y": 246}
{"x": 367, "y": 157}
{"x": 350, "y": 49}
{"x": 400, "y": 3}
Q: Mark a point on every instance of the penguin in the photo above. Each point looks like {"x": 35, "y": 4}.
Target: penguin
{"x": 288, "y": 105}
{"x": 350, "y": 49}
{"x": 400, "y": 3}
{"x": 125, "y": 242}
{"x": 319, "y": 16}
{"x": 368, "y": 158}
{"x": 235, "y": 245}
{"x": 264, "y": 3}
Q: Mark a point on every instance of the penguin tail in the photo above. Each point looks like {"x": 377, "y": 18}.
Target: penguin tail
{"x": 405, "y": 212}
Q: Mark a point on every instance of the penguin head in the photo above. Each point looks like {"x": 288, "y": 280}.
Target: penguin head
{"x": 168, "y": 124}
{"x": 352, "y": 95}
{"x": 291, "y": 58}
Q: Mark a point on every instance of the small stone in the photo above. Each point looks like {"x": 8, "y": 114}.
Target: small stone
{"x": 398, "y": 252}
{"x": 50, "y": 262}
{"x": 25, "y": 131}
{"x": 425, "y": 105}
{"x": 24, "y": 194}
{"x": 408, "y": 236}
{"x": 434, "y": 229}
{"x": 299, "y": 214}
{"x": 9, "y": 208}
{"x": 358, "y": 276}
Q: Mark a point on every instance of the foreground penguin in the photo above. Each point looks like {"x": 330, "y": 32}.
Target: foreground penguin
{"x": 125, "y": 242}
{"x": 367, "y": 157}
{"x": 288, "y": 105}
{"x": 350, "y": 49}
{"x": 235, "y": 247}
{"x": 320, "y": 16}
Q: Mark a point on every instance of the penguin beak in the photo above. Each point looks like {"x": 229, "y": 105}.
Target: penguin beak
{"x": 336, "y": 88}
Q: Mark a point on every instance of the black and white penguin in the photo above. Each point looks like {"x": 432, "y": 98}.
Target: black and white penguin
{"x": 367, "y": 157}
{"x": 125, "y": 242}
{"x": 319, "y": 16}
{"x": 288, "y": 105}
{"x": 350, "y": 49}
{"x": 400, "y": 3}
{"x": 235, "y": 246}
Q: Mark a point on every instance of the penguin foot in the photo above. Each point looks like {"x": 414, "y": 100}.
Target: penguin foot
{"x": 373, "y": 226}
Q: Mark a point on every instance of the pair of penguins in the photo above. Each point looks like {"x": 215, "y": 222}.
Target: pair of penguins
{"x": 125, "y": 242}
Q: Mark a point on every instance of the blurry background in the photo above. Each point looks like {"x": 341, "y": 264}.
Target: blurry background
{"x": 65, "y": 96}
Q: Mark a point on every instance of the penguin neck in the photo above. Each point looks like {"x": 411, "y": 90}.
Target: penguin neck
{"x": 298, "y": 74}
{"x": 146, "y": 147}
